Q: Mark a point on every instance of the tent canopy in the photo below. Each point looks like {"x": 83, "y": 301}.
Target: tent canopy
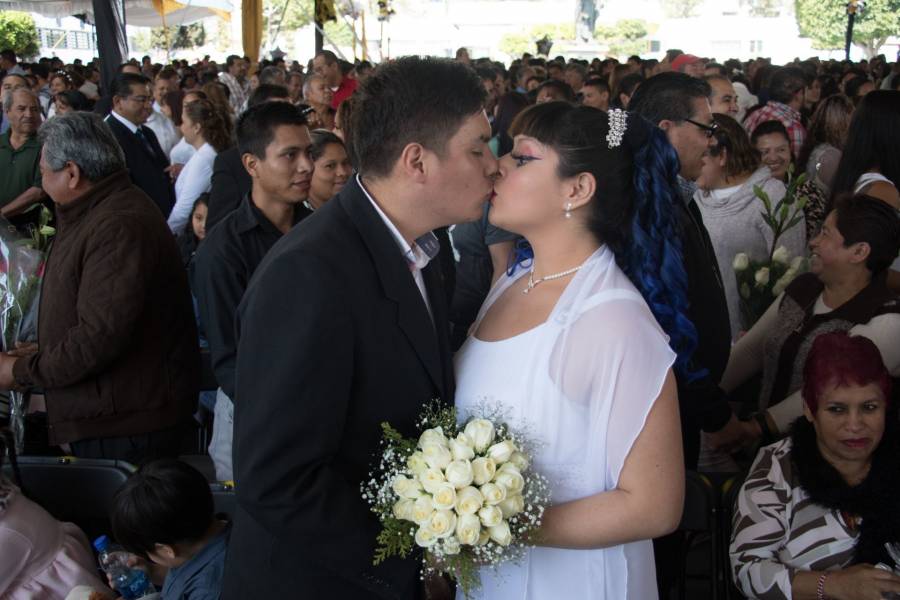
{"x": 142, "y": 13}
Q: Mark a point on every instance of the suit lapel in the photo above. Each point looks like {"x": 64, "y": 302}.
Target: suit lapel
{"x": 397, "y": 281}
{"x": 438, "y": 301}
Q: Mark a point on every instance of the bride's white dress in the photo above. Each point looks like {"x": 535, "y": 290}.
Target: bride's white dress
{"x": 582, "y": 384}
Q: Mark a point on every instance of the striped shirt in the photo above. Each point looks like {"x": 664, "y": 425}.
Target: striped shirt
{"x": 790, "y": 118}
{"x": 777, "y": 530}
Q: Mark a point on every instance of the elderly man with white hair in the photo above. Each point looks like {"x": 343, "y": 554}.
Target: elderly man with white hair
{"x": 118, "y": 359}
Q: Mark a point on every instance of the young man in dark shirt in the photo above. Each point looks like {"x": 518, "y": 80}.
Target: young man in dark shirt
{"x": 274, "y": 142}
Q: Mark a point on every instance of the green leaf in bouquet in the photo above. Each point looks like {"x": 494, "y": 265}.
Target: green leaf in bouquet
{"x": 47, "y": 230}
{"x": 801, "y": 179}
{"x": 784, "y": 213}
{"x": 762, "y": 195}
{"x": 394, "y": 539}
{"x": 397, "y": 439}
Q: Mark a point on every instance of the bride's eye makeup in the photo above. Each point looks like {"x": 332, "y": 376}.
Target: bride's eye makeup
{"x": 522, "y": 159}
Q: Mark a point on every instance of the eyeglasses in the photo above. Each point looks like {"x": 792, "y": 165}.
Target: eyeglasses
{"x": 709, "y": 129}
{"x": 140, "y": 99}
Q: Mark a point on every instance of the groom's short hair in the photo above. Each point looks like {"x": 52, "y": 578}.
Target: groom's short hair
{"x": 411, "y": 100}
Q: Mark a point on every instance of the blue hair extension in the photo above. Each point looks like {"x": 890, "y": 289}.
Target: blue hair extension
{"x": 522, "y": 256}
{"x": 653, "y": 259}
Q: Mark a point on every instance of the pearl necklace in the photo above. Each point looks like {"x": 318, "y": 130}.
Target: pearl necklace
{"x": 533, "y": 284}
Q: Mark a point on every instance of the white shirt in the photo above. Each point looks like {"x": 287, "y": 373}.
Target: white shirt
{"x": 195, "y": 179}
{"x": 166, "y": 133}
{"x": 415, "y": 257}
{"x": 182, "y": 153}
{"x": 131, "y": 126}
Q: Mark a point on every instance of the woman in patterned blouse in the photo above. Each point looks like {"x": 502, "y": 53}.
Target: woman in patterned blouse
{"x": 818, "y": 507}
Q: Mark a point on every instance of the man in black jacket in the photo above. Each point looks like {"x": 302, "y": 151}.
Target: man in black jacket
{"x": 344, "y": 327}
{"x": 147, "y": 164}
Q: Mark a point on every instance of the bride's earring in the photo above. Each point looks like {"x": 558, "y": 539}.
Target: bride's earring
{"x": 569, "y": 210}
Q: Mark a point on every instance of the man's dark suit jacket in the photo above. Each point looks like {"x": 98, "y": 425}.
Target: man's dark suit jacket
{"x": 146, "y": 169}
{"x": 333, "y": 339}
{"x": 230, "y": 183}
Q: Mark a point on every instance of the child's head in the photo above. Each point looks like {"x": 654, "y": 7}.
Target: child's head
{"x": 198, "y": 216}
{"x": 162, "y": 510}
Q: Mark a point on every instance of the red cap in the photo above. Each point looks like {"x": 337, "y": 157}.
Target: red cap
{"x": 683, "y": 60}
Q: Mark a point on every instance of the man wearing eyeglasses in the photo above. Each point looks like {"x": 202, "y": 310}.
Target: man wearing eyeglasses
{"x": 679, "y": 105}
{"x": 147, "y": 164}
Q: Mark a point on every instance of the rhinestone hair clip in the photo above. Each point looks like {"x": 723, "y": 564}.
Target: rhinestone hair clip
{"x": 617, "y": 125}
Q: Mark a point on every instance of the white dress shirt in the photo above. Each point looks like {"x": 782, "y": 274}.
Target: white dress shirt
{"x": 195, "y": 179}
{"x": 415, "y": 256}
{"x": 131, "y": 126}
{"x": 166, "y": 133}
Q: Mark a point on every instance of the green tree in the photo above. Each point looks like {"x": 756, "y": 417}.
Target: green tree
{"x": 515, "y": 44}
{"x": 825, "y": 22}
{"x": 17, "y": 31}
{"x": 626, "y": 37}
{"x": 285, "y": 15}
{"x": 178, "y": 37}
{"x": 763, "y": 8}
{"x": 681, "y": 9}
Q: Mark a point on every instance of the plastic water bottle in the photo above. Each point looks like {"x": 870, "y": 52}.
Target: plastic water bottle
{"x": 131, "y": 583}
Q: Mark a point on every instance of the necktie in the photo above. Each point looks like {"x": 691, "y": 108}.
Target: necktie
{"x": 140, "y": 134}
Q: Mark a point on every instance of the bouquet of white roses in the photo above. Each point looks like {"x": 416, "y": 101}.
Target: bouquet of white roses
{"x": 464, "y": 493}
{"x": 760, "y": 282}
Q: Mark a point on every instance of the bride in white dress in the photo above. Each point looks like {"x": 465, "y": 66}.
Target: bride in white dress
{"x": 569, "y": 349}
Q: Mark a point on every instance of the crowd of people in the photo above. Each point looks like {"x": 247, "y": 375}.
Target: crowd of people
{"x": 349, "y": 241}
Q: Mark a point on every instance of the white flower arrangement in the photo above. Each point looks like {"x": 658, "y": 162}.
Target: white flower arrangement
{"x": 466, "y": 494}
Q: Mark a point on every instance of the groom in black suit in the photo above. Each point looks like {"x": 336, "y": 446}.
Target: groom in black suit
{"x": 343, "y": 327}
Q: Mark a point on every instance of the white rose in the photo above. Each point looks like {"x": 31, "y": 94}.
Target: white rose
{"x": 481, "y": 432}
{"x": 406, "y": 488}
{"x": 483, "y": 470}
{"x": 490, "y": 516}
{"x": 762, "y": 277}
{"x": 484, "y": 537}
{"x": 745, "y": 291}
{"x": 437, "y": 456}
{"x": 444, "y": 498}
{"x": 468, "y": 529}
{"x": 781, "y": 255}
{"x": 512, "y": 481}
{"x": 797, "y": 263}
{"x": 433, "y": 436}
{"x": 424, "y": 538}
{"x": 741, "y": 262}
{"x": 422, "y": 510}
{"x": 513, "y": 505}
{"x": 501, "y": 534}
{"x": 459, "y": 473}
{"x": 416, "y": 463}
{"x": 461, "y": 447}
{"x": 451, "y": 545}
{"x": 469, "y": 501}
{"x": 502, "y": 451}
{"x": 779, "y": 286}
{"x": 493, "y": 493}
{"x": 520, "y": 461}
{"x": 431, "y": 479}
{"x": 509, "y": 467}
{"x": 442, "y": 523}
{"x": 403, "y": 509}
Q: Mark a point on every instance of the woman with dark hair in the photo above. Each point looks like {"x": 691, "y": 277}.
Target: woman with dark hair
{"x": 59, "y": 82}
{"x": 42, "y": 557}
{"x": 816, "y": 510}
{"x": 870, "y": 163}
{"x": 508, "y": 107}
{"x": 70, "y": 100}
{"x": 204, "y": 128}
{"x": 845, "y": 290}
{"x": 731, "y": 211}
{"x": 194, "y": 232}
{"x": 773, "y": 142}
{"x": 332, "y": 171}
{"x": 825, "y": 139}
{"x": 592, "y": 192}
{"x": 857, "y": 88}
